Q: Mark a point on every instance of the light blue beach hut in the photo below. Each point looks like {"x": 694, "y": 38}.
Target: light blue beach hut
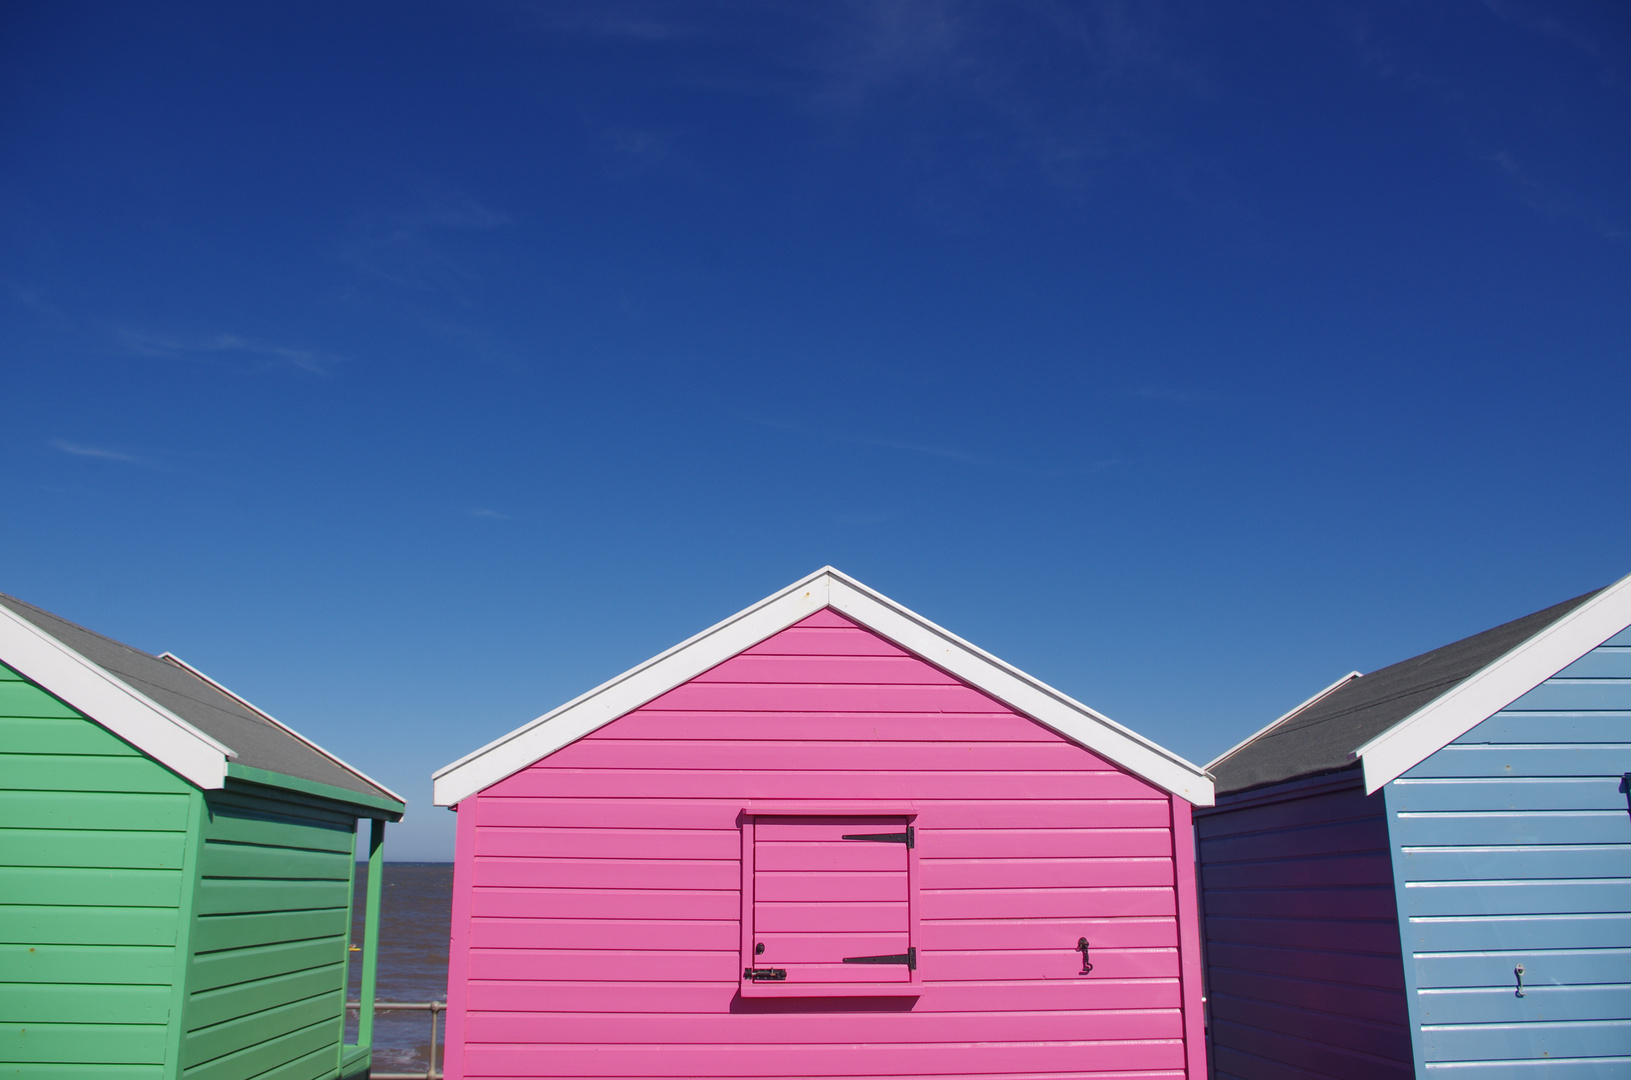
{"x": 1427, "y": 870}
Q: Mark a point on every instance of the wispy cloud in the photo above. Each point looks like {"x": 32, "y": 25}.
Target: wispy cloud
{"x": 1159, "y": 392}
{"x": 100, "y": 453}
{"x": 612, "y": 19}
{"x": 408, "y": 246}
{"x": 1550, "y": 200}
{"x": 222, "y": 347}
{"x": 1540, "y": 19}
{"x": 1488, "y": 134}
{"x": 35, "y": 301}
{"x": 946, "y": 453}
{"x": 1050, "y": 91}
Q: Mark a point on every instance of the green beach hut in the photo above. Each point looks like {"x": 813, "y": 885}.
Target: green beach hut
{"x": 177, "y": 872}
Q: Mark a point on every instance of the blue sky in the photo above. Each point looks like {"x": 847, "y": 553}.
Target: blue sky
{"x": 413, "y": 368}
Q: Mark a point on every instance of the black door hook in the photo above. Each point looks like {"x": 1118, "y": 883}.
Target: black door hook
{"x": 1081, "y": 947}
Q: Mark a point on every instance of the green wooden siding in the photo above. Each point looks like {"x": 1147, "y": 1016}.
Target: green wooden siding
{"x": 93, "y": 840}
{"x": 266, "y": 984}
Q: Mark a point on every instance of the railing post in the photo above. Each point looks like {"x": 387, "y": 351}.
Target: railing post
{"x": 431, "y": 1073}
{"x": 370, "y": 933}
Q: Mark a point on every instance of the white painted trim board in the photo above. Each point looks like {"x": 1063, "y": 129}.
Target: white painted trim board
{"x": 826, "y": 587}
{"x": 129, "y": 714}
{"x": 1495, "y": 686}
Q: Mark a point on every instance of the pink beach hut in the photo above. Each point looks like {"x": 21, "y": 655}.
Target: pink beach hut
{"x": 824, "y": 838}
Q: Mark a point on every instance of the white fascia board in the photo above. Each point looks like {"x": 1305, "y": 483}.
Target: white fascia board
{"x": 129, "y": 714}
{"x": 1034, "y": 698}
{"x": 1266, "y": 728}
{"x": 826, "y": 587}
{"x": 1498, "y": 684}
{"x": 275, "y": 722}
{"x": 511, "y": 753}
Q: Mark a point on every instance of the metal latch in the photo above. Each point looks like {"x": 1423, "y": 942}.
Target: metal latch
{"x": 909, "y": 958}
{"x": 765, "y": 974}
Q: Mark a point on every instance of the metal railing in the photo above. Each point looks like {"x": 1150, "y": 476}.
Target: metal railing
{"x": 435, "y": 1008}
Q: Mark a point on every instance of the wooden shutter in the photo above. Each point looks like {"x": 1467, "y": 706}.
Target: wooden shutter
{"x": 831, "y": 900}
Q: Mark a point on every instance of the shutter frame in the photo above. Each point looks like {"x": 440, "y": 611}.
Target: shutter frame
{"x": 885, "y": 823}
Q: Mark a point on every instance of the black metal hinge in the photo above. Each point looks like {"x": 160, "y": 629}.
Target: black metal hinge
{"x": 909, "y": 958}
{"x": 884, "y": 837}
{"x": 765, "y": 974}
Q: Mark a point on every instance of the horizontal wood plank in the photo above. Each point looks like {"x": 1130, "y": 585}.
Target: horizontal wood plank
{"x": 1553, "y": 967}
{"x": 65, "y": 772}
{"x": 233, "y": 966}
{"x": 604, "y": 903}
{"x": 90, "y": 886}
{"x": 32, "y": 924}
{"x": 771, "y": 1029}
{"x": 495, "y": 872}
{"x": 91, "y": 848}
{"x": 232, "y": 896}
{"x": 33, "y": 1003}
{"x": 803, "y": 1059}
{"x": 1046, "y": 903}
{"x": 839, "y": 786}
{"x": 25, "y": 699}
{"x": 994, "y": 726}
{"x": 543, "y": 811}
{"x": 98, "y": 810}
{"x": 1540, "y": 1004}
{"x": 239, "y": 931}
{"x": 208, "y": 1008}
{"x": 87, "y": 964}
{"x": 1473, "y": 933}
{"x": 1541, "y": 897}
{"x": 713, "y": 999}
{"x": 756, "y": 668}
{"x": 832, "y": 755}
{"x": 1505, "y": 1042}
{"x": 82, "y": 1044}
{"x": 33, "y": 735}
{"x": 256, "y": 861}
{"x": 1503, "y": 793}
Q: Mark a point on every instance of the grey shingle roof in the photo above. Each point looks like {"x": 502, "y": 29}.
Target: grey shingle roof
{"x": 259, "y": 742}
{"x": 1320, "y": 737}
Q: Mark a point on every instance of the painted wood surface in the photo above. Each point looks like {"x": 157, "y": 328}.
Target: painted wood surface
{"x": 93, "y": 842}
{"x": 266, "y": 981}
{"x": 597, "y": 916}
{"x": 1304, "y": 977}
{"x": 1513, "y": 846}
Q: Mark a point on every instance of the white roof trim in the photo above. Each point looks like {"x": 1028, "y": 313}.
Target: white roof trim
{"x": 1266, "y": 728}
{"x": 1495, "y": 686}
{"x": 129, "y": 714}
{"x": 263, "y": 714}
{"x": 824, "y": 588}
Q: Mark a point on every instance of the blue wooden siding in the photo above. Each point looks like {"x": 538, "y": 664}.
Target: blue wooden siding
{"x": 1304, "y": 974}
{"x": 1512, "y": 845}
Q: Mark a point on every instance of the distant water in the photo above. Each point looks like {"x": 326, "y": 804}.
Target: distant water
{"x": 416, "y": 909}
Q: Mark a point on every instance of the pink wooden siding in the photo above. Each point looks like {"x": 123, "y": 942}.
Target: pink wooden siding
{"x": 598, "y": 916}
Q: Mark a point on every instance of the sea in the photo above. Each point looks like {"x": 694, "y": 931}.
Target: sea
{"x": 416, "y": 907}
